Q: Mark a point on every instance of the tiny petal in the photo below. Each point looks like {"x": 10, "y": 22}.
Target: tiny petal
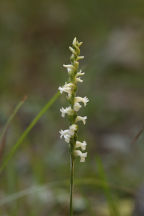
{"x": 61, "y": 89}
{"x": 72, "y": 129}
{"x": 65, "y": 134}
{"x": 77, "y": 107}
{"x": 67, "y": 138}
{"x": 69, "y": 68}
{"x": 81, "y": 118}
{"x": 80, "y": 73}
{"x": 72, "y": 50}
{"x": 81, "y": 155}
{"x": 80, "y": 57}
{"x": 68, "y": 133}
{"x": 74, "y": 42}
{"x": 81, "y": 145}
{"x": 84, "y": 100}
{"x": 67, "y": 110}
{"x": 78, "y": 79}
{"x": 66, "y": 88}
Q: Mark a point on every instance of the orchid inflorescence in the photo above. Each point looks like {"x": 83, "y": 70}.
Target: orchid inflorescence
{"x": 75, "y": 103}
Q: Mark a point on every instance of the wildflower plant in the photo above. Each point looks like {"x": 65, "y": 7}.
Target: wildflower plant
{"x": 70, "y": 135}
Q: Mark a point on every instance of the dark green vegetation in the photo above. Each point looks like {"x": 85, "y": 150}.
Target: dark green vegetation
{"x": 34, "y": 36}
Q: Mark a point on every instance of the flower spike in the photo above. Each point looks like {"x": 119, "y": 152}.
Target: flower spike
{"x": 75, "y": 103}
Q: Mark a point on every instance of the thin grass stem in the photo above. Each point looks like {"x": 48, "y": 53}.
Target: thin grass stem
{"x": 11, "y": 118}
{"x": 27, "y": 131}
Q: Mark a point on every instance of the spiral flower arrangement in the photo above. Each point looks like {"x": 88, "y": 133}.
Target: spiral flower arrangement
{"x": 70, "y": 135}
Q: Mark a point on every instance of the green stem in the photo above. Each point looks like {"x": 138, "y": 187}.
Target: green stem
{"x": 11, "y": 118}
{"x": 27, "y": 131}
{"x": 71, "y": 183}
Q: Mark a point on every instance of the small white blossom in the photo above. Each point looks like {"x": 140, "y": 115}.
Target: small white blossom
{"x": 65, "y": 134}
{"x": 84, "y": 100}
{"x": 68, "y": 133}
{"x": 74, "y": 42}
{"x": 66, "y": 88}
{"x": 69, "y": 68}
{"x": 78, "y": 79}
{"x": 80, "y": 73}
{"x": 81, "y": 118}
{"x": 80, "y": 57}
{"x": 81, "y": 145}
{"x": 72, "y": 50}
{"x": 72, "y": 129}
{"x": 81, "y": 155}
{"x": 77, "y": 107}
{"x": 67, "y": 110}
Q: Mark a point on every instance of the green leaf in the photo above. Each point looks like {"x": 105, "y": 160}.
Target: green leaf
{"x": 27, "y": 131}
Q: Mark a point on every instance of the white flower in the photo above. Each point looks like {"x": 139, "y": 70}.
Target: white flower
{"x": 72, "y": 50}
{"x": 81, "y": 118}
{"x": 67, "y": 110}
{"x": 78, "y": 79}
{"x": 72, "y": 129}
{"x": 65, "y": 134}
{"x": 81, "y": 155}
{"x": 66, "y": 88}
{"x": 77, "y": 107}
{"x": 69, "y": 68}
{"x": 81, "y": 145}
{"x": 84, "y": 100}
{"x": 80, "y": 57}
{"x": 74, "y": 42}
{"x": 80, "y": 73}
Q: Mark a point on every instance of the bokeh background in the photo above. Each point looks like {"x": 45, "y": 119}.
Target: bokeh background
{"x": 34, "y": 40}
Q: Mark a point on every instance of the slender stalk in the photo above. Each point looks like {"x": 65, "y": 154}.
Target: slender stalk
{"x": 27, "y": 131}
{"x": 71, "y": 183}
{"x": 6, "y": 126}
{"x": 11, "y": 118}
{"x": 70, "y": 135}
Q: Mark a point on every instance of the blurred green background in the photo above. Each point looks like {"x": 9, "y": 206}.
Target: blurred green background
{"x": 34, "y": 41}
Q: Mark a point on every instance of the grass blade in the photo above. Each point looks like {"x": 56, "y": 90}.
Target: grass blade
{"x": 114, "y": 211}
{"x": 27, "y": 131}
{"x": 3, "y": 133}
{"x": 11, "y": 118}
